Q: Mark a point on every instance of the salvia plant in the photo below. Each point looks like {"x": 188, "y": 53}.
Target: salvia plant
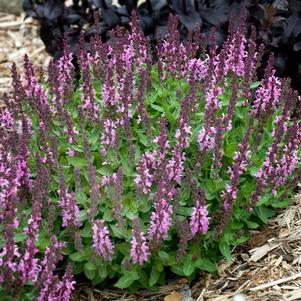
{"x": 140, "y": 171}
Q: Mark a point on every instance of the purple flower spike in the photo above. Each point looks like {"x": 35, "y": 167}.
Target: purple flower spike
{"x": 102, "y": 244}
{"x": 70, "y": 210}
{"x": 160, "y": 221}
{"x": 206, "y": 139}
{"x": 139, "y": 247}
{"x": 199, "y": 222}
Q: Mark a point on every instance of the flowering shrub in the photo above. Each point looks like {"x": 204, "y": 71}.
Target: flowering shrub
{"x": 141, "y": 170}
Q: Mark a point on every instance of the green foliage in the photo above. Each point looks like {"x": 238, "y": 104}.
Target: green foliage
{"x": 204, "y": 251}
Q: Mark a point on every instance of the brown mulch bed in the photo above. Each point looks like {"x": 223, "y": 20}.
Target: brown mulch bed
{"x": 266, "y": 268}
{"x": 19, "y": 37}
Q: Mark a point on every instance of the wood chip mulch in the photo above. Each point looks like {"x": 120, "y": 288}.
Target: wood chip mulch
{"x": 19, "y": 37}
{"x": 267, "y": 268}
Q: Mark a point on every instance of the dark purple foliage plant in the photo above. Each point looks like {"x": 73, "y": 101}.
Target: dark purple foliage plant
{"x": 143, "y": 169}
{"x": 278, "y": 24}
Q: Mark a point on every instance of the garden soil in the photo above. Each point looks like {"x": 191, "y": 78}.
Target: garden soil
{"x": 266, "y": 268}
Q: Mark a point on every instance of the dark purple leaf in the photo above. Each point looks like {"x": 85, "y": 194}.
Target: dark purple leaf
{"x": 158, "y": 4}
{"x": 104, "y": 4}
{"x": 276, "y": 42}
{"x": 191, "y": 21}
{"x": 216, "y": 17}
{"x": 147, "y": 24}
{"x": 297, "y": 28}
{"x": 281, "y": 5}
{"x": 292, "y": 20}
{"x": 110, "y": 18}
{"x": 53, "y": 10}
{"x": 295, "y": 6}
{"x": 218, "y": 3}
{"x": 182, "y": 7}
{"x": 297, "y": 46}
{"x": 160, "y": 31}
{"x": 27, "y": 5}
{"x": 278, "y": 26}
{"x": 264, "y": 36}
{"x": 122, "y": 11}
{"x": 92, "y": 30}
{"x": 124, "y": 21}
{"x": 130, "y": 4}
{"x": 280, "y": 64}
{"x": 98, "y": 3}
{"x": 257, "y": 14}
{"x": 71, "y": 18}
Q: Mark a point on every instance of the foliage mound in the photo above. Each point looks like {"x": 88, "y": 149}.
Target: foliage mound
{"x": 143, "y": 170}
{"x": 278, "y": 24}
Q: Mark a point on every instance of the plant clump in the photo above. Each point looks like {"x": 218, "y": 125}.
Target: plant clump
{"x": 142, "y": 170}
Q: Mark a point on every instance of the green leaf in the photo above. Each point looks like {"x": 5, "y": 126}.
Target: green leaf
{"x": 143, "y": 279}
{"x": 77, "y": 162}
{"x": 255, "y": 85}
{"x": 130, "y": 215}
{"x": 188, "y": 266}
{"x": 264, "y": 213}
{"x": 82, "y": 199}
{"x": 105, "y": 170}
{"x": 68, "y": 250}
{"x": 43, "y": 242}
{"x": 119, "y": 232}
{"x": 236, "y": 225}
{"x": 123, "y": 247}
{"x": 241, "y": 240}
{"x": 252, "y": 225}
{"x": 83, "y": 215}
{"x": 108, "y": 215}
{"x": 225, "y": 250}
{"x": 86, "y": 232}
{"x": 127, "y": 279}
{"x": 143, "y": 139}
{"x": 177, "y": 270}
{"x": 77, "y": 256}
{"x": 157, "y": 108}
{"x": 230, "y": 149}
{"x": 95, "y": 136}
{"x": 159, "y": 265}
{"x": 19, "y": 237}
{"x": 164, "y": 257}
{"x": 253, "y": 170}
{"x": 126, "y": 168}
{"x": 78, "y": 148}
{"x": 90, "y": 274}
{"x": 282, "y": 204}
{"x": 185, "y": 211}
{"x": 264, "y": 200}
{"x": 78, "y": 268}
{"x": 206, "y": 265}
{"x": 97, "y": 280}
{"x": 90, "y": 266}
{"x": 154, "y": 276}
{"x": 102, "y": 271}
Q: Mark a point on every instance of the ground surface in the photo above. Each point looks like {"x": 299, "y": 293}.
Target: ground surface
{"x": 267, "y": 268}
{"x": 17, "y": 37}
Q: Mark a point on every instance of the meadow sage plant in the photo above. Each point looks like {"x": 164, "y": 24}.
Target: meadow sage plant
{"x": 136, "y": 169}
